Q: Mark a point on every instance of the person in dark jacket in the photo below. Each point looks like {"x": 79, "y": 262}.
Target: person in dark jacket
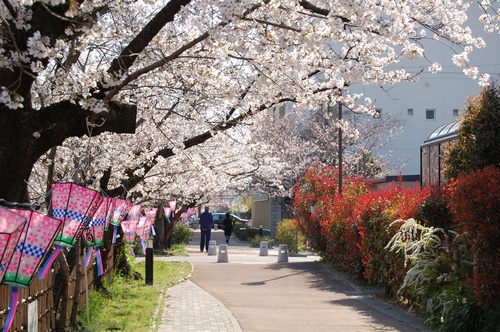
{"x": 206, "y": 222}
{"x": 228, "y": 226}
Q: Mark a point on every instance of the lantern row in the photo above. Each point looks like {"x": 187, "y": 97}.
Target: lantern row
{"x": 77, "y": 212}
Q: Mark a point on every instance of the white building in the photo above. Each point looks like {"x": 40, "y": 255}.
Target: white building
{"x": 435, "y": 100}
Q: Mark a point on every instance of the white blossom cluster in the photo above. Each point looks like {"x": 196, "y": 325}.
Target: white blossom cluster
{"x": 221, "y": 60}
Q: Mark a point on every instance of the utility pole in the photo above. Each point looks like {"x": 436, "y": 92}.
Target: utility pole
{"x": 340, "y": 147}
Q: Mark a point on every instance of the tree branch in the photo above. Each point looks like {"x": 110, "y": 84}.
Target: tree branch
{"x": 143, "y": 38}
{"x": 65, "y": 119}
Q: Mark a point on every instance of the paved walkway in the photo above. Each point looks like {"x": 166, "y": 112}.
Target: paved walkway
{"x": 255, "y": 293}
{"x": 189, "y": 308}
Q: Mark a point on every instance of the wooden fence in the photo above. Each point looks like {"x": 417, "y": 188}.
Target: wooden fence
{"x": 41, "y": 293}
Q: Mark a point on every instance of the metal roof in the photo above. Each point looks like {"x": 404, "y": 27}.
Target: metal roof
{"x": 444, "y": 132}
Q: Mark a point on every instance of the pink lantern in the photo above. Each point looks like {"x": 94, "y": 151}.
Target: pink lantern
{"x": 11, "y": 229}
{"x": 130, "y": 230}
{"x": 185, "y": 217}
{"x": 37, "y": 238}
{"x": 74, "y": 205}
{"x": 151, "y": 215}
{"x": 144, "y": 228}
{"x": 122, "y": 207}
{"x": 141, "y": 228}
{"x": 93, "y": 235}
{"x": 151, "y": 212}
{"x": 167, "y": 211}
{"x": 134, "y": 213}
{"x": 172, "y": 205}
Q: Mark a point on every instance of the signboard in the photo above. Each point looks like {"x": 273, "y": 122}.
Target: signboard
{"x": 33, "y": 316}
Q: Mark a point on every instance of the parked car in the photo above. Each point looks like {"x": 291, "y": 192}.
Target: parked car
{"x": 218, "y": 220}
{"x": 245, "y": 222}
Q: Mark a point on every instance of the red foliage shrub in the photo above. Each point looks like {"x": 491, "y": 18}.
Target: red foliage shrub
{"x": 352, "y": 230}
{"x": 324, "y": 216}
{"x": 341, "y": 232}
{"x": 435, "y": 211}
{"x": 376, "y": 212}
{"x": 313, "y": 195}
{"x": 475, "y": 201}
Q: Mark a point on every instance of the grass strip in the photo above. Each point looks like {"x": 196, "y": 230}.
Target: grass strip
{"x": 131, "y": 305}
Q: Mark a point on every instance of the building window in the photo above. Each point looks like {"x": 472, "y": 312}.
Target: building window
{"x": 455, "y": 112}
{"x": 410, "y": 112}
{"x": 430, "y": 114}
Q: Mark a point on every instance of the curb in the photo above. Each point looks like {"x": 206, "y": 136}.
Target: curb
{"x": 160, "y": 307}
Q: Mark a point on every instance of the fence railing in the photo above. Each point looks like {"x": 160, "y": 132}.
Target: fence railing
{"x": 40, "y": 297}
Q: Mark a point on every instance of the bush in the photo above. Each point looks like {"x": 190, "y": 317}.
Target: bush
{"x": 431, "y": 283}
{"x": 241, "y": 233}
{"x": 475, "y": 199}
{"x": 255, "y": 242}
{"x": 182, "y": 234}
{"x": 289, "y": 234}
{"x": 248, "y": 233}
{"x": 376, "y": 213}
{"x": 478, "y": 135}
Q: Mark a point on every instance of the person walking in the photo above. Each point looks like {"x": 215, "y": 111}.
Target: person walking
{"x": 228, "y": 227}
{"x": 206, "y": 222}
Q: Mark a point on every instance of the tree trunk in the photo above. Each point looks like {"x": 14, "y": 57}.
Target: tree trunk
{"x": 20, "y": 149}
{"x": 159, "y": 225}
{"x": 120, "y": 257}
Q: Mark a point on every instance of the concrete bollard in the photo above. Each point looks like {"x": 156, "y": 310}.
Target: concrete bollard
{"x": 212, "y": 248}
{"x": 263, "y": 248}
{"x": 222, "y": 254}
{"x": 282, "y": 254}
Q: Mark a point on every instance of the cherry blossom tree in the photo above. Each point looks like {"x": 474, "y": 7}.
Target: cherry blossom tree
{"x": 160, "y": 88}
{"x": 286, "y": 145}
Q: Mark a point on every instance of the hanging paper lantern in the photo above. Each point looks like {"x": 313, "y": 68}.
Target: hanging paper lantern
{"x": 192, "y": 210}
{"x": 134, "y": 213}
{"x": 151, "y": 212}
{"x": 167, "y": 211}
{"x": 145, "y": 230}
{"x": 130, "y": 230}
{"x": 122, "y": 207}
{"x": 185, "y": 218}
{"x": 93, "y": 235}
{"x": 75, "y": 206}
{"x": 11, "y": 229}
{"x": 172, "y": 205}
{"x": 149, "y": 228}
{"x": 151, "y": 215}
{"x": 36, "y": 239}
{"x": 140, "y": 226}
